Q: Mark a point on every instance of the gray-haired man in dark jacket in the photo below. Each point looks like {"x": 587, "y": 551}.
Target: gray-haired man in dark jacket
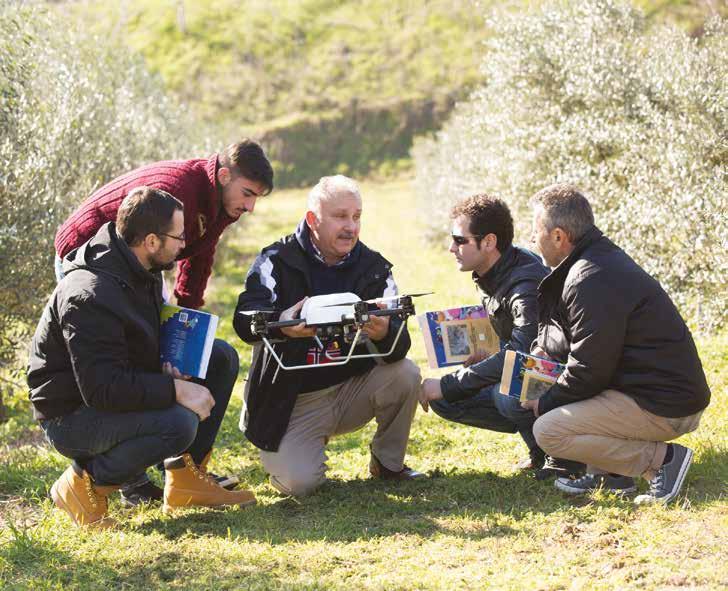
{"x": 633, "y": 378}
{"x": 507, "y": 277}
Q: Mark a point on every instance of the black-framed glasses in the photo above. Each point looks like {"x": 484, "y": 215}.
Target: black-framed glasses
{"x": 462, "y": 240}
{"x": 181, "y": 237}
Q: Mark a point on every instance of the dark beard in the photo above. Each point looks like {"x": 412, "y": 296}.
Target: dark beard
{"x": 157, "y": 267}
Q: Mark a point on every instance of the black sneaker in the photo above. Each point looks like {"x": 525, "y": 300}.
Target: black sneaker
{"x": 590, "y": 482}
{"x": 146, "y": 493}
{"x": 666, "y": 484}
{"x": 227, "y": 482}
{"x": 560, "y": 468}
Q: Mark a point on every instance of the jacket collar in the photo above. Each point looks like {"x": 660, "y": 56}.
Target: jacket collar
{"x": 107, "y": 253}
{"x": 490, "y": 282}
{"x": 559, "y": 273}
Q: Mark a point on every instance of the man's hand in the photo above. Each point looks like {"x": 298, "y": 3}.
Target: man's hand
{"x": 429, "y": 390}
{"x": 170, "y": 370}
{"x": 539, "y": 352}
{"x": 195, "y": 397}
{"x": 377, "y": 327}
{"x": 476, "y": 357}
{"x": 299, "y": 331}
{"x": 532, "y": 404}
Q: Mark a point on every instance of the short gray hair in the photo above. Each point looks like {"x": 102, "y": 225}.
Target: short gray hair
{"x": 328, "y": 188}
{"x": 565, "y": 207}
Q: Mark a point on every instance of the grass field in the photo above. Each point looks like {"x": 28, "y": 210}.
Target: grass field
{"x": 475, "y": 523}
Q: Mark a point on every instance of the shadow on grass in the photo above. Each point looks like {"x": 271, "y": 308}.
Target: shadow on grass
{"x": 31, "y": 561}
{"x": 365, "y": 509}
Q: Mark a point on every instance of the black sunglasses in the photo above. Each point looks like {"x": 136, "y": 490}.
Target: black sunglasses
{"x": 462, "y": 240}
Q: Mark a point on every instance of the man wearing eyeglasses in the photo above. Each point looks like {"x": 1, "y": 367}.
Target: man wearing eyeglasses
{"x": 215, "y": 192}
{"x": 507, "y": 277}
{"x": 97, "y": 385}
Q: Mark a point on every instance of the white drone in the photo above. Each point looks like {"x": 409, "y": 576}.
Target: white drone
{"x": 334, "y": 315}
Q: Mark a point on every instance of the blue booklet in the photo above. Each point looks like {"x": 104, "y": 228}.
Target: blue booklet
{"x": 453, "y": 335}
{"x": 186, "y": 337}
{"x": 528, "y": 377}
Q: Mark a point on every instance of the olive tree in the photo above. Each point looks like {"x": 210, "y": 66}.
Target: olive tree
{"x": 636, "y": 114}
{"x": 76, "y": 110}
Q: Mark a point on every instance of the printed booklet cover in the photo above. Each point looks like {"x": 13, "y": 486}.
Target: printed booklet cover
{"x": 186, "y": 338}
{"x": 451, "y": 336}
{"x": 527, "y": 377}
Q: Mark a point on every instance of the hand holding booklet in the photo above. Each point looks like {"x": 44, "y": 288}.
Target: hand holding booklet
{"x": 528, "y": 377}
{"x": 186, "y": 337}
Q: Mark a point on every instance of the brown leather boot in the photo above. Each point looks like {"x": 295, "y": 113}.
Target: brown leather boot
{"x": 85, "y": 502}
{"x": 186, "y": 485}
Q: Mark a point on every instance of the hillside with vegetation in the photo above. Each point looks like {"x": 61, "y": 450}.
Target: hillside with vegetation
{"x": 327, "y": 85}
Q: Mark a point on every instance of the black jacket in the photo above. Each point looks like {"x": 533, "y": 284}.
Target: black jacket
{"x": 280, "y": 277}
{"x": 508, "y": 292}
{"x": 97, "y": 342}
{"x": 616, "y": 328}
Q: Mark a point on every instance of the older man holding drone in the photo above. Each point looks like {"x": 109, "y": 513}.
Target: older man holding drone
{"x": 290, "y": 414}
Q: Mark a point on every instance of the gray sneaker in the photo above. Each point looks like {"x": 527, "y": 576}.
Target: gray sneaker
{"x": 666, "y": 484}
{"x": 590, "y": 482}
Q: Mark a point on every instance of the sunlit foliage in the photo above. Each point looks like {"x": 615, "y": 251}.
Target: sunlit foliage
{"x": 636, "y": 115}
{"x": 76, "y": 110}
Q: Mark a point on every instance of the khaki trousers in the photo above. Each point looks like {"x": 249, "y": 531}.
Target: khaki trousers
{"x": 610, "y": 432}
{"x": 387, "y": 393}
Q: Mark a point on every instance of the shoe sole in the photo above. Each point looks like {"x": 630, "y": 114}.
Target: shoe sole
{"x": 570, "y": 490}
{"x": 648, "y": 499}
{"x": 169, "y": 509}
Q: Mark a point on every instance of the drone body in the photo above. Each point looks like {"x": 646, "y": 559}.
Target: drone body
{"x": 334, "y": 315}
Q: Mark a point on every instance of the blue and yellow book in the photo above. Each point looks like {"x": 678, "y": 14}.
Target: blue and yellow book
{"x": 186, "y": 337}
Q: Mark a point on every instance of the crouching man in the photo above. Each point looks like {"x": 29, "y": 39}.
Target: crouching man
{"x": 291, "y": 415}
{"x": 633, "y": 379}
{"x": 95, "y": 376}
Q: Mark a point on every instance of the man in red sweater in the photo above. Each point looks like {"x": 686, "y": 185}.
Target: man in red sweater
{"x": 215, "y": 192}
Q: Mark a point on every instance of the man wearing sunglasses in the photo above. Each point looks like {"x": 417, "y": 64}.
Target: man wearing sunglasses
{"x": 215, "y": 192}
{"x": 97, "y": 385}
{"x": 507, "y": 277}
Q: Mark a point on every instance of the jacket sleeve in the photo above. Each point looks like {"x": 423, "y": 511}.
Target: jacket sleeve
{"x": 192, "y": 276}
{"x": 261, "y": 293}
{"x": 468, "y": 381}
{"x": 598, "y": 333}
{"x": 97, "y": 346}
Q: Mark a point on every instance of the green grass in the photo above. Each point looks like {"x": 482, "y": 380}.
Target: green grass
{"x": 474, "y": 523}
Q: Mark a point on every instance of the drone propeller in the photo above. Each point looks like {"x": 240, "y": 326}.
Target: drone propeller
{"x": 387, "y": 299}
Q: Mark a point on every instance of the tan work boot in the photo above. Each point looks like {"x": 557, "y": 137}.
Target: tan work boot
{"x": 228, "y": 482}
{"x": 85, "y": 502}
{"x": 186, "y": 485}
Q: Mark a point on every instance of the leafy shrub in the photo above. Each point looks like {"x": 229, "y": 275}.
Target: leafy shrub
{"x": 636, "y": 115}
{"x": 76, "y": 110}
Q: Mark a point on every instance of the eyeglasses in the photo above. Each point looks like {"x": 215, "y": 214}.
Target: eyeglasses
{"x": 181, "y": 237}
{"x": 462, "y": 240}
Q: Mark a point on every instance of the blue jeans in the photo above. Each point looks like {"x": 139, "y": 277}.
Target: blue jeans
{"x": 490, "y": 410}
{"x": 118, "y": 447}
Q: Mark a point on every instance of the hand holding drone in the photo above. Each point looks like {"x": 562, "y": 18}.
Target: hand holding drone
{"x": 331, "y": 316}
